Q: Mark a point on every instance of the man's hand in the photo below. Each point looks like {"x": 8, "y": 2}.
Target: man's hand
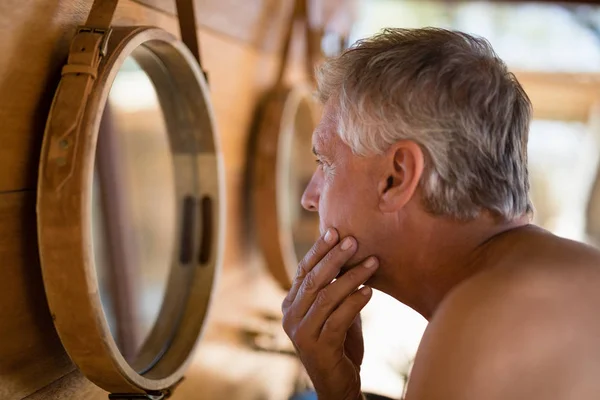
{"x": 322, "y": 318}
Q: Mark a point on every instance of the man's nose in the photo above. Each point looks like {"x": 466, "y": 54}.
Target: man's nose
{"x": 310, "y": 197}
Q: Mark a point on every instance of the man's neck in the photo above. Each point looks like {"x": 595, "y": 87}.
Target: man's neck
{"x": 447, "y": 253}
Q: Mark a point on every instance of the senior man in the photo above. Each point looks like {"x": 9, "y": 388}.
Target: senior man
{"x": 422, "y": 193}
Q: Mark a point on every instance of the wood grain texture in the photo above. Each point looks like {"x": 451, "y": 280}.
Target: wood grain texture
{"x": 224, "y": 366}
{"x": 29, "y": 71}
{"x": 31, "y": 355}
{"x": 30, "y": 67}
{"x": 73, "y": 386}
{"x": 261, "y": 23}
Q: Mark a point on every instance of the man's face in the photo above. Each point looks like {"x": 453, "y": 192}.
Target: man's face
{"x": 344, "y": 188}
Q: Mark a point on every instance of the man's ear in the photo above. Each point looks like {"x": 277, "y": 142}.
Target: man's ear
{"x": 404, "y": 167}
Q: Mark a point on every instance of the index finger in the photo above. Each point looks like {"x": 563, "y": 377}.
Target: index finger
{"x": 319, "y": 250}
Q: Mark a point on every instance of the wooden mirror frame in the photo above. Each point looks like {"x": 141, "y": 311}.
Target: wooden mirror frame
{"x": 277, "y": 118}
{"x": 64, "y": 206}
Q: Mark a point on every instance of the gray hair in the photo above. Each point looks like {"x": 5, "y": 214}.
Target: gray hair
{"x": 448, "y": 92}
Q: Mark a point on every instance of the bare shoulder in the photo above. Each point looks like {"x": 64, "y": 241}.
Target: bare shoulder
{"x": 527, "y": 327}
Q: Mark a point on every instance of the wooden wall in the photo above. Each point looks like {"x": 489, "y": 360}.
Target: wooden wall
{"x": 239, "y": 42}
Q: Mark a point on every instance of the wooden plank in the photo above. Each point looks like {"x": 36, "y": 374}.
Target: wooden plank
{"x": 31, "y": 355}
{"x": 29, "y": 72}
{"x": 261, "y": 23}
{"x": 561, "y": 96}
{"x": 70, "y": 387}
{"x": 256, "y": 22}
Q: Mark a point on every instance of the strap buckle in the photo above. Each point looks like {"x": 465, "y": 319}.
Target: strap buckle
{"x": 105, "y": 32}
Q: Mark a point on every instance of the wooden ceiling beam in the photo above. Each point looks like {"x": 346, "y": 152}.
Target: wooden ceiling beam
{"x": 561, "y": 96}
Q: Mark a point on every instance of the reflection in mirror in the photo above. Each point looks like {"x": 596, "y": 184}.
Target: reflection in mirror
{"x": 304, "y": 224}
{"x": 133, "y": 208}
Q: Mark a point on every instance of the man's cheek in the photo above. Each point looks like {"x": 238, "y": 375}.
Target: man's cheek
{"x": 333, "y": 213}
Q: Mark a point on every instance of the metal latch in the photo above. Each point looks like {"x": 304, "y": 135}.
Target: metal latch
{"x": 157, "y": 395}
{"x": 140, "y": 396}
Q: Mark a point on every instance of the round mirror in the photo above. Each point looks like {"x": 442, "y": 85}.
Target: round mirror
{"x": 284, "y": 165}
{"x": 129, "y": 218}
{"x": 300, "y": 164}
{"x": 133, "y": 208}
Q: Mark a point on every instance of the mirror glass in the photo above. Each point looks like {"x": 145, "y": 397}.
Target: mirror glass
{"x": 133, "y": 209}
{"x": 304, "y": 224}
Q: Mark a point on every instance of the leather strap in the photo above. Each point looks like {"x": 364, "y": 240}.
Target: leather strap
{"x": 300, "y": 13}
{"x": 79, "y": 74}
{"x": 187, "y": 27}
{"x": 78, "y": 77}
{"x": 102, "y": 12}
